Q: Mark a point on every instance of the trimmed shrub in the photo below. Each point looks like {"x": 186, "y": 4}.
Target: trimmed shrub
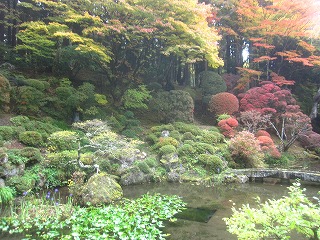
{"x": 167, "y": 149}
{"x": 188, "y": 136}
{"x": 224, "y": 103}
{"x": 263, "y": 133}
{"x": 19, "y": 120}
{"x": 228, "y": 127}
{"x": 31, "y": 138}
{"x": 23, "y": 183}
{"x": 210, "y": 137}
{"x": 211, "y": 83}
{"x": 166, "y": 141}
{"x": 63, "y": 140}
{"x": 176, "y": 105}
{"x": 186, "y": 150}
{"x": 7, "y": 133}
{"x": 185, "y": 127}
{"x": 213, "y": 162}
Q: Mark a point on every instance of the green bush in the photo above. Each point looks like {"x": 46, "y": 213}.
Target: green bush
{"x": 166, "y": 141}
{"x": 210, "y": 137}
{"x": 152, "y": 162}
{"x": 167, "y": 149}
{"x": 4, "y": 94}
{"x": 62, "y": 159}
{"x": 213, "y": 162}
{"x": 14, "y": 157}
{"x": 63, "y": 140}
{"x": 29, "y": 100}
{"x": 201, "y": 147}
{"x": 143, "y": 166}
{"x": 32, "y": 154}
{"x": 176, "y": 105}
{"x": 19, "y": 120}
{"x": 7, "y": 132}
{"x": 185, "y": 127}
{"x": 6, "y": 195}
{"x": 186, "y": 150}
{"x": 211, "y": 83}
{"x": 37, "y": 84}
{"x": 160, "y": 128}
{"x": 277, "y": 218}
{"x": 188, "y": 136}
{"x": 31, "y": 138}
{"x": 23, "y": 183}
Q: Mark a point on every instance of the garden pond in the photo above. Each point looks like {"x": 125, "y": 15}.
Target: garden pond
{"x": 206, "y": 206}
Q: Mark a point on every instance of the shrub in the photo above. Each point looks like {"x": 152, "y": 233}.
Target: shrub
{"x": 201, "y": 147}
{"x": 210, "y": 137}
{"x": 63, "y": 140}
{"x": 136, "y": 98}
{"x": 4, "y": 94}
{"x": 15, "y": 158}
{"x": 245, "y": 150}
{"x": 167, "y": 149}
{"x": 31, "y": 138}
{"x": 143, "y": 166}
{"x": 19, "y": 120}
{"x": 277, "y": 219}
{"x": 176, "y": 105}
{"x": 7, "y": 132}
{"x": 211, "y": 83}
{"x": 185, "y": 127}
{"x": 262, "y": 133}
{"x": 29, "y": 100}
{"x": 222, "y": 103}
{"x": 188, "y": 136}
{"x": 228, "y": 127}
{"x": 152, "y": 162}
{"x": 213, "y": 162}
{"x": 32, "y": 154}
{"x": 166, "y": 141}
{"x": 254, "y": 120}
{"x": 37, "y": 84}
{"x": 6, "y": 195}
{"x": 23, "y": 183}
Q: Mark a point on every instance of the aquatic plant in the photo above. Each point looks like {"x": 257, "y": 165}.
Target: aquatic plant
{"x": 48, "y": 219}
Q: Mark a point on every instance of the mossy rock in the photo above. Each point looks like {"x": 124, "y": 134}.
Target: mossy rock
{"x": 100, "y": 189}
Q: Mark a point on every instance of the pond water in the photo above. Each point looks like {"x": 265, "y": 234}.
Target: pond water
{"x": 218, "y": 202}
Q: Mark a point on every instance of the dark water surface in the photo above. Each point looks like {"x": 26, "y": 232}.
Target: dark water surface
{"x": 220, "y": 199}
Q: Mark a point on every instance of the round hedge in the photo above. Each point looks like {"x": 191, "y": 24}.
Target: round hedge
{"x": 224, "y": 102}
{"x": 31, "y": 138}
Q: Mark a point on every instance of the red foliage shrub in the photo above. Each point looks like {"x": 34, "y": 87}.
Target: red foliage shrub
{"x": 246, "y": 151}
{"x": 268, "y": 98}
{"x": 310, "y": 140}
{"x": 224, "y": 103}
{"x": 263, "y": 133}
{"x": 232, "y": 122}
{"x": 228, "y": 127}
{"x": 265, "y": 141}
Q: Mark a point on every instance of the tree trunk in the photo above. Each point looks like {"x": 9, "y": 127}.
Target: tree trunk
{"x": 316, "y": 100}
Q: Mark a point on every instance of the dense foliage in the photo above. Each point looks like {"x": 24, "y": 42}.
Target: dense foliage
{"x": 46, "y": 218}
{"x": 277, "y": 218}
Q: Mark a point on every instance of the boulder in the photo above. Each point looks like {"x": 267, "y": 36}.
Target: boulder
{"x": 101, "y": 188}
{"x": 134, "y": 175}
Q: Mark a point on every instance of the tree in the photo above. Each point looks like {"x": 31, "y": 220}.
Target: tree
{"x": 277, "y": 219}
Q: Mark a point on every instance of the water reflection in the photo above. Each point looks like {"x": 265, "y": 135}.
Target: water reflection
{"x": 221, "y": 198}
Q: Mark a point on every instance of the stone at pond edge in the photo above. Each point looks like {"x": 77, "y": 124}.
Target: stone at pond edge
{"x": 100, "y": 189}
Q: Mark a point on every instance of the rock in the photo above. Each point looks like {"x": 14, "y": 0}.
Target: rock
{"x": 100, "y": 189}
{"x": 134, "y": 175}
{"x": 9, "y": 170}
{"x": 2, "y": 183}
